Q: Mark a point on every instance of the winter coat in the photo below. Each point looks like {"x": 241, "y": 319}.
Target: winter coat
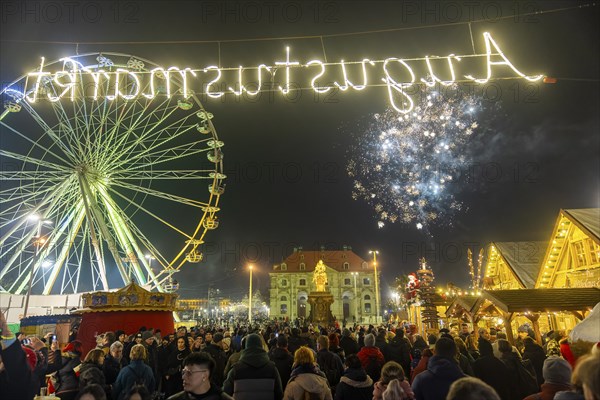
{"x": 254, "y": 377}
{"x": 398, "y": 349}
{"x": 493, "y": 372}
{"x": 136, "y": 371}
{"x": 366, "y": 354}
{"x": 111, "y": 368}
{"x": 220, "y": 358}
{"x": 339, "y": 351}
{"x": 349, "y": 345}
{"x": 89, "y": 373}
{"x": 380, "y": 387}
{"x": 307, "y": 380}
{"x": 434, "y": 383}
{"x": 513, "y": 363}
{"x": 331, "y": 365}
{"x": 355, "y": 384}
{"x": 295, "y": 342}
{"x": 172, "y": 380}
{"x": 548, "y": 392}
{"x": 283, "y": 360}
{"x": 66, "y": 378}
{"x": 16, "y": 380}
{"x": 381, "y": 343}
{"x": 422, "y": 366}
{"x": 535, "y": 353}
{"x": 568, "y": 395}
{"x": 214, "y": 393}
{"x": 465, "y": 365}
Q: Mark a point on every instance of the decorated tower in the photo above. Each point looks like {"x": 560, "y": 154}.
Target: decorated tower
{"x": 429, "y": 316}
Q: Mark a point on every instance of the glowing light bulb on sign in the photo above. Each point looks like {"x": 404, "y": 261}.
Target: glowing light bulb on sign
{"x": 62, "y": 84}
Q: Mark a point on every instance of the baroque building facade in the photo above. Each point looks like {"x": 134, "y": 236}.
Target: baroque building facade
{"x": 350, "y": 279}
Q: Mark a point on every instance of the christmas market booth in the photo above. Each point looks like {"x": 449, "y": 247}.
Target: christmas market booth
{"x": 127, "y": 309}
{"x": 543, "y": 309}
{"x": 60, "y": 325}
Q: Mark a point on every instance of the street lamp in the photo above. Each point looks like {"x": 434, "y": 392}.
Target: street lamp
{"x": 354, "y": 275}
{"x": 39, "y": 242}
{"x": 250, "y": 296}
{"x": 375, "y": 252}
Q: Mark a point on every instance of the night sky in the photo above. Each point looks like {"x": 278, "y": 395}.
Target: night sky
{"x": 286, "y": 161}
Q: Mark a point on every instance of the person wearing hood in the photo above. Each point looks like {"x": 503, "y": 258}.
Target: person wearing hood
{"x": 536, "y": 354}
{"x": 254, "y": 376}
{"x": 557, "y": 377}
{"x": 355, "y": 384}
{"x": 442, "y": 371}
{"x": 173, "y": 382}
{"x": 398, "y": 350}
{"x": 66, "y": 366}
{"x": 306, "y": 380}
{"x": 283, "y": 359}
{"x": 491, "y": 370}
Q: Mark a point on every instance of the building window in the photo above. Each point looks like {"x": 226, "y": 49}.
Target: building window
{"x": 594, "y": 251}
{"x": 366, "y": 281}
{"x": 367, "y": 297}
{"x": 283, "y": 309}
{"x": 347, "y": 281}
{"x": 284, "y": 267}
{"x": 365, "y": 265}
{"x": 368, "y": 308}
{"x": 283, "y": 298}
{"x": 284, "y": 282}
{"x": 343, "y": 255}
{"x": 302, "y": 282}
{"x": 302, "y": 256}
{"x": 579, "y": 251}
{"x": 346, "y": 266}
{"x": 302, "y": 266}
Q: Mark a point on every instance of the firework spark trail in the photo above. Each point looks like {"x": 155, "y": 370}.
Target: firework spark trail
{"x": 407, "y": 167}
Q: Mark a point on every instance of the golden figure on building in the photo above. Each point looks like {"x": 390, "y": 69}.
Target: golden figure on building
{"x": 320, "y": 276}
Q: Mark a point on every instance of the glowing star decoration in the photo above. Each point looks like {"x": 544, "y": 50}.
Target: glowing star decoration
{"x": 408, "y": 167}
{"x": 397, "y": 74}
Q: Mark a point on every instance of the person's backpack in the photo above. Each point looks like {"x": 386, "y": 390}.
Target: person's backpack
{"x": 373, "y": 368}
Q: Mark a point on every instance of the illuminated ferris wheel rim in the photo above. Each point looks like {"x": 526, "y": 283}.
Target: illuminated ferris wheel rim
{"x": 81, "y": 172}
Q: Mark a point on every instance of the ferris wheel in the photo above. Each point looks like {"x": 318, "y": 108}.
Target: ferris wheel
{"x": 98, "y": 192}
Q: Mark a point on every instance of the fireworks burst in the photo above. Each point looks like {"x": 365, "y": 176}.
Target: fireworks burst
{"x": 408, "y": 166}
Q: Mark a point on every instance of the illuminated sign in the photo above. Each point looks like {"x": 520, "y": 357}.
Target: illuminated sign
{"x": 396, "y": 74}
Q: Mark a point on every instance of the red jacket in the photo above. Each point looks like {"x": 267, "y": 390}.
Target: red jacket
{"x": 565, "y": 350}
{"x": 548, "y": 391}
{"x": 370, "y": 351}
{"x": 421, "y": 366}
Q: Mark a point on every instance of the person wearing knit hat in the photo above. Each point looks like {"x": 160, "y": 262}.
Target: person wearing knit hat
{"x": 146, "y": 335}
{"x": 557, "y": 377}
{"x": 120, "y": 334}
{"x": 254, "y": 376}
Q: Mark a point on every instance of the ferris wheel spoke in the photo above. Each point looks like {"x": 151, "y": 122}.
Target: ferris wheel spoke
{"x": 49, "y": 132}
{"x": 152, "y": 140}
{"x": 73, "y": 224}
{"x": 153, "y": 215}
{"x": 163, "y": 175}
{"x": 166, "y": 155}
{"x": 31, "y": 160}
{"x": 41, "y": 176}
{"x": 162, "y": 195}
{"x": 36, "y": 145}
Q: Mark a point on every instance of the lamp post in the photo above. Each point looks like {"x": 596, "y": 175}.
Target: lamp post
{"x": 375, "y": 252}
{"x": 250, "y": 296}
{"x": 354, "y": 275}
{"x": 39, "y": 242}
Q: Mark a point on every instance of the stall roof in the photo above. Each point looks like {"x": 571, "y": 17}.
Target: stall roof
{"x": 467, "y": 303}
{"x": 588, "y": 219}
{"x": 524, "y": 258}
{"x": 543, "y": 300}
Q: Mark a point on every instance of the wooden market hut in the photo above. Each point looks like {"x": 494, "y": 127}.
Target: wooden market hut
{"x": 531, "y": 304}
{"x": 513, "y": 265}
{"x": 572, "y": 257}
{"x": 127, "y": 309}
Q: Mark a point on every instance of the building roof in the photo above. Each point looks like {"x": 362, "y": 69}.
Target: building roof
{"x": 466, "y": 303}
{"x": 334, "y": 259}
{"x": 543, "y": 300}
{"x": 588, "y": 219}
{"x": 523, "y": 258}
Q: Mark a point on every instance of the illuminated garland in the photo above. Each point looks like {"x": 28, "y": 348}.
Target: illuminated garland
{"x": 103, "y": 81}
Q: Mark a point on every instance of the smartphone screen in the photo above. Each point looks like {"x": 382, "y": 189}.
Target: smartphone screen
{"x": 54, "y": 338}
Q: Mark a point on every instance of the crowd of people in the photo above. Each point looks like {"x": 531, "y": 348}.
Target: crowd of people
{"x": 274, "y": 360}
